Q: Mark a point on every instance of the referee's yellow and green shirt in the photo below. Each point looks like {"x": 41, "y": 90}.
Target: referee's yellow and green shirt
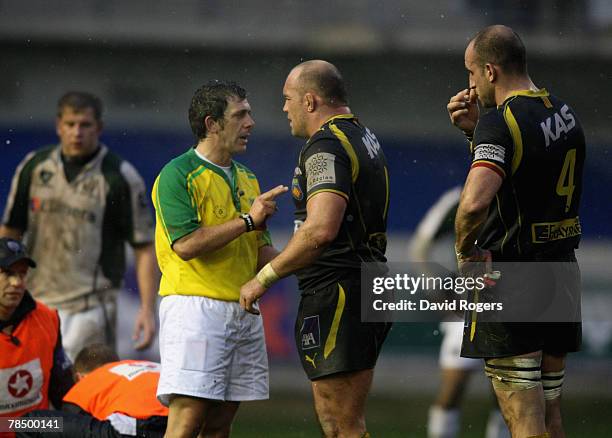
{"x": 190, "y": 193}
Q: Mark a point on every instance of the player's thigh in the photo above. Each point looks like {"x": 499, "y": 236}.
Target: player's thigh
{"x": 248, "y": 377}
{"x": 196, "y": 345}
{"x": 329, "y": 334}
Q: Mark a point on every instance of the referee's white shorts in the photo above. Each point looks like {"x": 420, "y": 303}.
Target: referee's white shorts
{"x": 450, "y": 351}
{"x": 211, "y": 349}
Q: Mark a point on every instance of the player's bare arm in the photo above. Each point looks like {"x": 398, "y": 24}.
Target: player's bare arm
{"x": 325, "y": 211}
{"x": 480, "y": 188}
{"x": 208, "y": 239}
{"x": 148, "y": 280}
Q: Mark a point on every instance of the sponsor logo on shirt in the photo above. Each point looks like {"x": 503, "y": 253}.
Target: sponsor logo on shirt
{"x": 548, "y": 231}
{"x": 295, "y": 189}
{"x": 320, "y": 170}
{"x": 20, "y": 386}
{"x": 490, "y": 152}
{"x": 55, "y": 206}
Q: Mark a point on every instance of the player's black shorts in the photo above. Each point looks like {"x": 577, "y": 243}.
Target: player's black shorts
{"x": 486, "y": 339}
{"x": 329, "y": 334}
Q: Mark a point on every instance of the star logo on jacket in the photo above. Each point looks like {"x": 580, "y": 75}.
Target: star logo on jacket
{"x": 20, "y": 383}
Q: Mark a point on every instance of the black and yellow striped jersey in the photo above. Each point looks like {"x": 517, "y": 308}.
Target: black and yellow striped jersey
{"x": 344, "y": 157}
{"x": 535, "y": 142}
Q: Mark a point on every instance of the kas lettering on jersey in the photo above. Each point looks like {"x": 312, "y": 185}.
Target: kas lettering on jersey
{"x": 562, "y": 124}
{"x": 20, "y": 386}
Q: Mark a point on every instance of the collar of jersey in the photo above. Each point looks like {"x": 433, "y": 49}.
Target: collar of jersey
{"x": 528, "y": 93}
{"x": 339, "y": 116}
{"x": 216, "y": 169}
{"x": 57, "y": 155}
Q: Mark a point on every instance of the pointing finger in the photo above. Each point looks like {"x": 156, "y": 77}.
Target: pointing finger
{"x": 271, "y": 194}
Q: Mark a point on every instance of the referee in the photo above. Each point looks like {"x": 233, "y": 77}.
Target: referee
{"x": 520, "y": 204}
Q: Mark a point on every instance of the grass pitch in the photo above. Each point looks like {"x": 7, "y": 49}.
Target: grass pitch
{"x": 291, "y": 415}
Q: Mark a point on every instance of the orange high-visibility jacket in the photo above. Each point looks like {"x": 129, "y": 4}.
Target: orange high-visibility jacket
{"x": 127, "y": 387}
{"x": 26, "y": 363}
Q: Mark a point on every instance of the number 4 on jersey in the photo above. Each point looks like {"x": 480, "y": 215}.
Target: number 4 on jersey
{"x": 565, "y": 183}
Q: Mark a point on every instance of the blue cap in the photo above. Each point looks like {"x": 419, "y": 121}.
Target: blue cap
{"x": 12, "y": 251}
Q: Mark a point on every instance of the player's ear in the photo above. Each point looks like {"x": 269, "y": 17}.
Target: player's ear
{"x": 58, "y": 124}
{"x": 212, "y": 125}
{"x": 490, "y": 72}
{"x": 310, "y": 102}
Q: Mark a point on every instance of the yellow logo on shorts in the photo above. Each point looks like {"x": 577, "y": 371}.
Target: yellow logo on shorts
{"x": 311, "y": 359}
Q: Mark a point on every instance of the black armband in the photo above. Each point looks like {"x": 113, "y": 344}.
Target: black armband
{"x": 248, "y": 220}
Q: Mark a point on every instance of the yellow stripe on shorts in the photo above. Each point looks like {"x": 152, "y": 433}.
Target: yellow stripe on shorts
{"x": 330, "y": 342}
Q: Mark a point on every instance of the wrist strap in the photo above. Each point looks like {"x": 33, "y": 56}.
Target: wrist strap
{"x": 467, "y": 254}
{"x": 248, "y": 220}
{"x": 267, "y": 276}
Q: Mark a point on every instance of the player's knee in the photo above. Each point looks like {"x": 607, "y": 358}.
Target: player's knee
{"x": 337, "y": 422}
{"x": 514, "y": 373}
{"x": 329, "y": 425}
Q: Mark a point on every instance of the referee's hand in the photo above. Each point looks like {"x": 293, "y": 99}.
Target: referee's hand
{"x": 250, "y": 292}
{"x": 265, "y": 205}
